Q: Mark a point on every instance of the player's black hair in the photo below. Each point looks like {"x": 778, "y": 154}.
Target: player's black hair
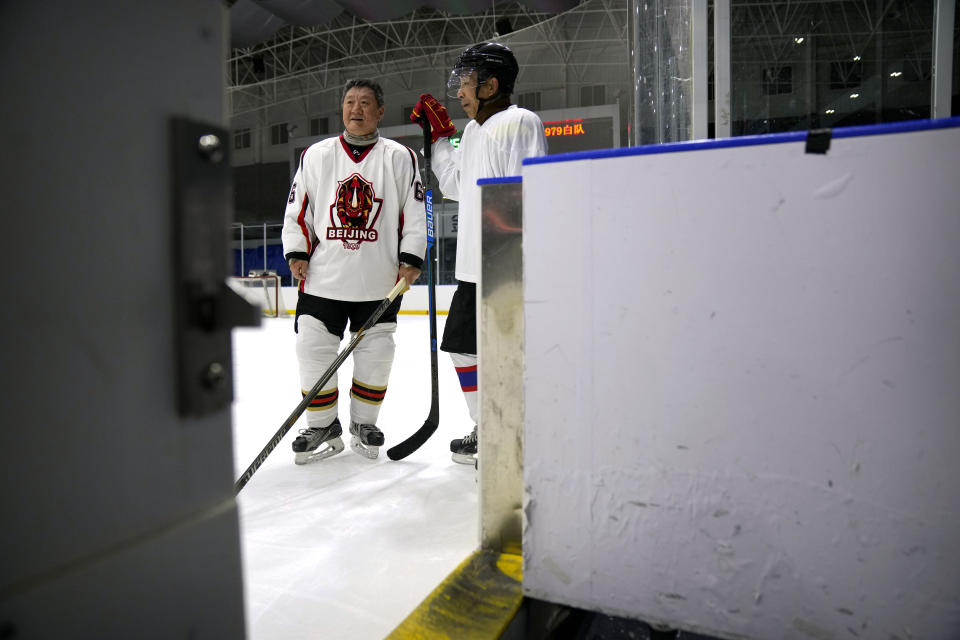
{"x": 363, "y": 83}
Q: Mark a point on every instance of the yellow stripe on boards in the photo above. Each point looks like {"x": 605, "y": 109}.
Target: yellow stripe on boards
{"x": 475, "y": 602}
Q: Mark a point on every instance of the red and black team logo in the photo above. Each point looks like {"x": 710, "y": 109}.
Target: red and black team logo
{"x": 354, "y": 213}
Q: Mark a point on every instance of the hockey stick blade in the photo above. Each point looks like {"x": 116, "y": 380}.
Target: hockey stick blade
{"x": 421, "y": 435}
{"x": 414, "y": 442}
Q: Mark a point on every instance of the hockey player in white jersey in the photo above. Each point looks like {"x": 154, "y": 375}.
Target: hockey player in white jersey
{"x": 354, "y": 225}
{"x": 494, "y": 143}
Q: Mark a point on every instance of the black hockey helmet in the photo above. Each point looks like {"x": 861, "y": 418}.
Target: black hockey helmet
{"x": 487, "y": 59}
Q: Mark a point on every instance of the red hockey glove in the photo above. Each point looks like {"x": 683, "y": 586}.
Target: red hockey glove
{"x": 441, "y": 126}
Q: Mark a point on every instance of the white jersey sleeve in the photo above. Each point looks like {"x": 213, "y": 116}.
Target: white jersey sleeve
{"x": 298, "y": 235}
{"x": 446, "y": 166}
{"x": 413, "y": 219}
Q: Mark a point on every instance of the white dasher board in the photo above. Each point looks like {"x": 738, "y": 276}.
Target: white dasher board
{"x": 742, "y": 384}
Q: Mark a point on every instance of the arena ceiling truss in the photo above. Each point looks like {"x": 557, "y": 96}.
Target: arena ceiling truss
{"x": 299, "y": 61}
{"x": 568, "y": 38}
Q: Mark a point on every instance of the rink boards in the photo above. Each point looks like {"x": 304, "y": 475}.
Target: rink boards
{"x": 740, "y": 386}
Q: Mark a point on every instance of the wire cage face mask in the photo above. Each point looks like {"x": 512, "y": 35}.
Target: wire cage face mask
{"x": 461, "y": 77}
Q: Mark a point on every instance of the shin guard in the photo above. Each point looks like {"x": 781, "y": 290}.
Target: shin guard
{"x": 466, "y": 366}
{"x": 316, "y": 350}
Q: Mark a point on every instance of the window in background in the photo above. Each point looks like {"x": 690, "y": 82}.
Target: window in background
{"x": 530, "y": 100}
{"x": 319, "y": 126}
{"x": 279, "y": 134}
{"x": 592, "y": 95}
{"x": 241, "y": 139}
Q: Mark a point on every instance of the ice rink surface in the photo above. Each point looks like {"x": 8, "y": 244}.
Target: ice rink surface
{"x": 345, "y": 548}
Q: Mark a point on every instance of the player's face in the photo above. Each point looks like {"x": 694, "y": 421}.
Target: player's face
{"x": 468, "y": 94}
{"x": 361, "y": 113}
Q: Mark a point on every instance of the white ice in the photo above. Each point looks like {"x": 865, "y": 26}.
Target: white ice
{"x": 347, "y": 547}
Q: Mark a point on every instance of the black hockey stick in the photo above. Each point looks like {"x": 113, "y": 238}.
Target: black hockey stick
{"x": 421, "y": 435}
{"x": 289, "y": 422}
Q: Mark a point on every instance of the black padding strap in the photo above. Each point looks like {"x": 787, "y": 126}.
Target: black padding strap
{"x": 818, "y": 140}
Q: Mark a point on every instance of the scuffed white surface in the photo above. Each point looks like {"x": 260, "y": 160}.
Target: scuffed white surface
{"x": 741, "y": 405}
{"x": 347, "y": 547}
{"x": 834, "y": 187}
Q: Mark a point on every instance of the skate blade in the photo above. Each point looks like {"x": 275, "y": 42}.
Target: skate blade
{"x": 329, "y": 448}
{"x": 367, "y": 451}
{"x": 465, "y": 458}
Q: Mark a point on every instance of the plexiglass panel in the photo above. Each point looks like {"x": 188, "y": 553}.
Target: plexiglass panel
{"x": 804, "y": 65}
{"x": 663, "y": 70}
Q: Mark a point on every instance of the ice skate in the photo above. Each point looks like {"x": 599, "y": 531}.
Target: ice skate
{"x": 305, "y": 446}
{"x": 464, "y": 449}
{"x": 366, "y": 439}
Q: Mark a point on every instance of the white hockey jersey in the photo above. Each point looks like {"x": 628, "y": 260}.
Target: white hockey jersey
{"x": 353, "y": 217}
{"x": 495, "y": 149}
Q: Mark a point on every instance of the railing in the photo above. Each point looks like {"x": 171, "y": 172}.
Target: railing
{"x": 240, "y": 234}
{"x": 258, "y": 247}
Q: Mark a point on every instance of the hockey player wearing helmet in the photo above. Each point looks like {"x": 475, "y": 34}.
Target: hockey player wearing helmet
{"x": 494, "y": 143}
